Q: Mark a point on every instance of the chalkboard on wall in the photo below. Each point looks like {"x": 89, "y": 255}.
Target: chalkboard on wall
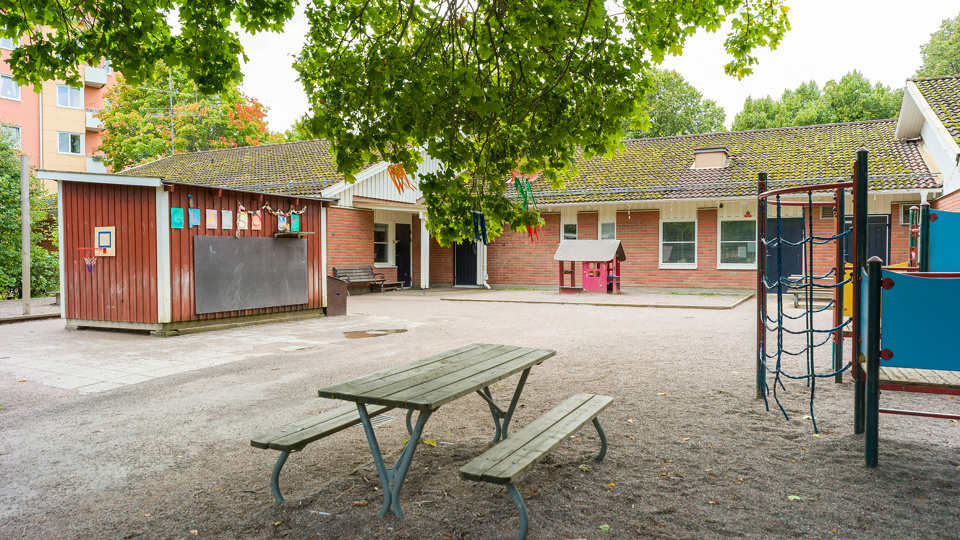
{"x": 232, "y": 274}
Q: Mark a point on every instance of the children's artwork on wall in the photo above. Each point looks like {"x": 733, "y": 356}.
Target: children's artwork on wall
{"x": 176, "y": 218}
{"x": 294, "y": 222}
{"x": 226, "y": 219}
{"x": 282, "y": 224}
{"x": 241, "y": 221}
{"x": 211, "y": 219}
{"x": 194, "y": 217}
{"x": 256, "y": 221}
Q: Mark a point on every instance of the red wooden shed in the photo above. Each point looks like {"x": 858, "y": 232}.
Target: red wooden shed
{"x": 173, "y": 256}
{"x": 600, "y": 265}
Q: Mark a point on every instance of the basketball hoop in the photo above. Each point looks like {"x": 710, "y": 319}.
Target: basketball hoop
{"x": 89, "y": 255}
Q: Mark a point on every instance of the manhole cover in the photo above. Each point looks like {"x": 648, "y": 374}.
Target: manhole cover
{"x": 360, "y": 334}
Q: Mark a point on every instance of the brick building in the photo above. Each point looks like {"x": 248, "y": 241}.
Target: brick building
{"x": 56, "y": 127}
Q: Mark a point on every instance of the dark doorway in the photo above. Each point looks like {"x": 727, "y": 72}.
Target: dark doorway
{"x": 790, "y": 257}
{"x": 404, "y": 268}
{"x": 465, "y": 264}
{"x": 878, "y": 239}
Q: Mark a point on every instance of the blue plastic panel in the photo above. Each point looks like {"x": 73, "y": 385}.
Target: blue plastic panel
{"x": 919, "y": 320}
{"x": 864, "y": 310}
{"x": 945, "y": 242}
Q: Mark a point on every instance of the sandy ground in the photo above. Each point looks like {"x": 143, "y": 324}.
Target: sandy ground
{"x": 692, "y": 453}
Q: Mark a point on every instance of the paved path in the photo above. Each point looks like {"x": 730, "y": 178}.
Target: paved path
{"x": 12, "y": 309}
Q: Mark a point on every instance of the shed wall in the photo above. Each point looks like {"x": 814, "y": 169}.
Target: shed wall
{"x": 182, "y": 291}
{"x": 122, "y": 288}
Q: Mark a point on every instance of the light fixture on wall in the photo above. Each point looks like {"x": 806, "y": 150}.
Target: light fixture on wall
{"x": 720, "y": 205}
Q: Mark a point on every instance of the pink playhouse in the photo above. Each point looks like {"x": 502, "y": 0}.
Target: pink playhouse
{"x": 600, "y": 265}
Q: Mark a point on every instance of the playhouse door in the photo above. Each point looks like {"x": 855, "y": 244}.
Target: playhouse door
{"x": 791, "y": 257}
{"x": 404, "y": 268}
{"x": 465, "y": 264}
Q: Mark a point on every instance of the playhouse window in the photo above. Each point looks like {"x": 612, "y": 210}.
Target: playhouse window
{"x": 70, "y": 97}
{"x": 738, "y": 242}
{"x": 569, "y": 231}
{"x": 8, "y": 88}
{"x": 608, "y": 231}
{"x": 679, "y": 243}
{"x": 381, "y": 243}
{"x": 70, "y": 143}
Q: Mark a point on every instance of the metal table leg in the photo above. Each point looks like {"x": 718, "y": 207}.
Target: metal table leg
{"x": 396, "y": 475}
{"x": 501, "y": 419}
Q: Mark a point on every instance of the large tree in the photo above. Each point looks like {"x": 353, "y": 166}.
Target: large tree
{"x": 853, "y": 98}
{"x": 44, "y": 269}
{"x": 485, "y": 86}
{"x": 168, "y": 114}
{"x": 941, "y": 55}
{"x": 674, "y": 107}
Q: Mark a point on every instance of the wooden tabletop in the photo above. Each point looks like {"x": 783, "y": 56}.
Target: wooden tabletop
{"x": 427, "y": 384}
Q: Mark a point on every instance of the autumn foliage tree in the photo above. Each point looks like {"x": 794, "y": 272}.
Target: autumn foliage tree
{"x": 168, "y": 114}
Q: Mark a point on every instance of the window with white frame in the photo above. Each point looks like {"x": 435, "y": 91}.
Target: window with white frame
{"x": 569, "y": 231}
{"x": 69, "y": 97}
{"x": 8, "y": 43}
{"x": 108, "y": 67}
{"x": 608, "y": 231}
{"x": 381, "y": 243}
{"x": 70, "y": 143}
{"x": 738, "y": 242}
{"x": 8, "y": 88}
{"x": 678, "y": 243}
{"x": 11, "y": 135}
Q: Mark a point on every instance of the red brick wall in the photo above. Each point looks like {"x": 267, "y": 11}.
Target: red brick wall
{"x": 948, "y": 203}
{"x": 899, "y": 237}
{"x": 441, "y": 264}
{"x": 513, "y": 260}
{"x": 350, "y": 240}
{"x": 587, "y": 226}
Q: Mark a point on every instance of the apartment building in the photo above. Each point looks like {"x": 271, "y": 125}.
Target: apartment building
{"x": 56, "y": 127}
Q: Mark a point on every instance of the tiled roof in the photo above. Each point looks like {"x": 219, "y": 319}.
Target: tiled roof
{"x": 943, "y": 96}
{"x": 660, "y": 168}
{"x": 303, "y": 168}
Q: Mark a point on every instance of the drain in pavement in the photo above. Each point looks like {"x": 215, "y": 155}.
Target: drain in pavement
{"x": 360, "y": 334}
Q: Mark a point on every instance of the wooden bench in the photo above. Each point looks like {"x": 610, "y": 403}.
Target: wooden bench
{"x": 365, "y": 275}
{"x": 819, "y": 295}
{"x": 506, "y": 462}
{"x": 295, "y": 437}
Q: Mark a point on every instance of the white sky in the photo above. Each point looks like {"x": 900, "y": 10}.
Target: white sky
{"x": 828, "y": 39}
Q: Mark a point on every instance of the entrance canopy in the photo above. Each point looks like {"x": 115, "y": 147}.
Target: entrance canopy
{"x": 590, "y": 250}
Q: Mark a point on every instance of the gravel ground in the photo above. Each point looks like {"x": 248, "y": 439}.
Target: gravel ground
{"x": 692, "y": 453}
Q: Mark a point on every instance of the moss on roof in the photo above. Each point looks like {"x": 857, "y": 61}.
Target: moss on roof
{"x": 943, "y": 96}
{"x": 661, "y": 168}
{"x": 303, "y": 168}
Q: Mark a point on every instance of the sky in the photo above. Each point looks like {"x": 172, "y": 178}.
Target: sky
{"x": 828, "y": 38}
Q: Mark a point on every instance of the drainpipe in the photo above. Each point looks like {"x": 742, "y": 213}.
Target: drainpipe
{"x": 41, "y": 129}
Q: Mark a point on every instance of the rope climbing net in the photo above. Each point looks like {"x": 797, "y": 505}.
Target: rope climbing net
{"x": 790, "y": 342}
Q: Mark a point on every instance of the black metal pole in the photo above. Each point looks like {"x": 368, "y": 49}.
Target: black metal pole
{"x": 924, "y": 254}
{"x": 914, "y": 225}
{"x": 873, "y": 362}
{"x": 761, "y": 288}
{"x": 860, "y": 188}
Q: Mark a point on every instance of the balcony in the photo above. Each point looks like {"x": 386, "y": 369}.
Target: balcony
{"x": 95, "y": 165}
{"x": 94, "y": 77}
{"x": 93, "y": 123}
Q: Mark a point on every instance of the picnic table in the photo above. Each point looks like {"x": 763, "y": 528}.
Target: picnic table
{"x": 426, "y": 385}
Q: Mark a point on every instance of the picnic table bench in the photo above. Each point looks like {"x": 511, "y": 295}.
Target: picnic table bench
{"x": 365, "y": 275}
{"x": 426, "y": 385}
{"x": 819, "y": 295}
{"x": 294, "y": 437}
{"x": 506, "y": 462}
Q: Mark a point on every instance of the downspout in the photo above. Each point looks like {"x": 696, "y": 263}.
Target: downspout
{"x": 41, "y": 130}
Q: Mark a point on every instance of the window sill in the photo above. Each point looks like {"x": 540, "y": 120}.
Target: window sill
{"x": 72, "y": 108}
{"x": 384, "y": 265}
{"x": 682, "y": 266}
{"x": 68, "y": 154}
{"x": 736, "y": 266}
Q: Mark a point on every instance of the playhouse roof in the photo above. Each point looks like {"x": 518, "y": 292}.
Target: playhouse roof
{"x": 943, "y": 96}
{"x": 662, "y": 168}
{"x": 589, "y": 251}
{"x": 301, "y": 168}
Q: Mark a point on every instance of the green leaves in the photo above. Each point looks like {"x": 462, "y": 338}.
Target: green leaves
{"x": 941, "y": 55}
{"x": 491, "y": 88}
{"x": 674, "y": 107}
